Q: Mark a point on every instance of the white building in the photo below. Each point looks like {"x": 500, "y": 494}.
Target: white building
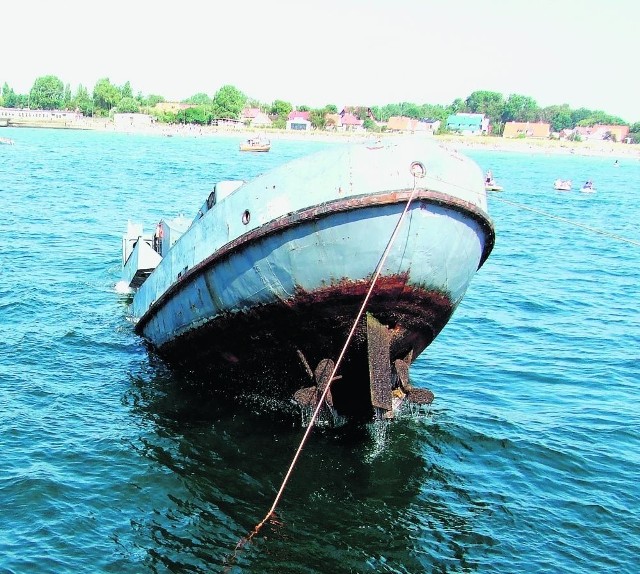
{"x": 299, "y": 124}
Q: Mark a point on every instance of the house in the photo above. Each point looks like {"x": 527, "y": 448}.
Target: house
{"x": 227, "y": 123}
{"x": 358, "y": 110}
{"x": 40, "y": 115}
{"x": 603, "y": 132}
{"x": 298, "y": 120}
{"x": 299, "y": 123}
{"x": 255, "y": 117}
{"x": 526, "y": 129}
{"x": 297, "y": 114}
{"x": 350, "y": 122}
{"x": 468, "y": 124}
{"x": 404, "y": 124}
{"x": 432, "y": 125}
{"x": 132, "y": 121}
{"x": 344, "y": 121}
{"x": 400, "y": 124}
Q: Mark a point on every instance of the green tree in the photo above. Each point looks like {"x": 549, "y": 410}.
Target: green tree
{"x": 600, "y": 117}
{"x": 361, "y": 112}
{"x": 281, "y": 109}
{"x": 437, "y": 112}
{"x": 558, "y": 116}
{"x": 484, "y": 102}
{"x": 409, "y": 110}
{"x": 105, "y": 97}
{"x": 68, "y": 98}
{"x": 128, "y": 105}
{"x": 228, "y": 102}
{"x": 198, "y": 115}
{"x": 199, "y": 99}
{"x": 369, "y": 125}
{"x": 149, "y": 101}
{"x": 47, "y": 93}
{"x": 457, "y": 106}
{"x": 166, "y": 117}
{"x": 578, "y": 115}
{"x": 497, "y": 128}
{"x": 520, "y": 108}
{"x": 331, "y": 109}
{"x": 317, "y": 119}
{"x": 126, "y": 91}
{"x": 82, "y": 101}
{"x": 253, "y": 103}
{"x": 9, "y": 96}
{"x": 383, "y": 113}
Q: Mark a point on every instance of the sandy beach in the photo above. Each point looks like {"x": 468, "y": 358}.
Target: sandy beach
{"x": 454, "y": 142}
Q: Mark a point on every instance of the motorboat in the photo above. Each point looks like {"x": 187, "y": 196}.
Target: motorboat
{"x": 562, "y": 184}
{"x": 256, "y": 144}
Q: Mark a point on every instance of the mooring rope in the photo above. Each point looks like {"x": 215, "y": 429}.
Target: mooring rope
{"x": 418, "y": 171}
{"x": 551, "y": 216}
{"x": 570, "y": 222}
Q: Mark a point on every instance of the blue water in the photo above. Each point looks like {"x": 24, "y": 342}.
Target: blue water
{"x": 528, "y": 461}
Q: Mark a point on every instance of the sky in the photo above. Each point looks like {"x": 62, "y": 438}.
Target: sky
{"x": 343, "y": 52}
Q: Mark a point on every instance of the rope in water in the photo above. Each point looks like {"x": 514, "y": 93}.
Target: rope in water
{"x": 570, "y": 222}
{"x": 418, "y": 170}
{"x": 556, "y": 217}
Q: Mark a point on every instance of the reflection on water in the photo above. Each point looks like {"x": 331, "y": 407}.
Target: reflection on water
{"x": 361, "y": 497}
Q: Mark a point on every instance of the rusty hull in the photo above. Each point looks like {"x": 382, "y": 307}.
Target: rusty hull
{"x": 259, "y": 351}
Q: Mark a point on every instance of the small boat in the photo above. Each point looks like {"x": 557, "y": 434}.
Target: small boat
{"x": 6, "y": 141}
{"x": 256, "y": 144}
{"x": 492, "y": 187}
{"x": 562, "y": 184}
{"x": 588, "y": 187}
{"x": 490, "y": 184}
{"x": 339, "y": 268}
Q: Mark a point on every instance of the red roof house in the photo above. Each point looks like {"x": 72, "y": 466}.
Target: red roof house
{"x": 297, "y": 114}
{"x": 600, "y": 131}
{"x": 351, "y": 122}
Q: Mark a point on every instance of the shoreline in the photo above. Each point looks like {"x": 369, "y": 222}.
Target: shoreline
{"x": 453, "y": 142}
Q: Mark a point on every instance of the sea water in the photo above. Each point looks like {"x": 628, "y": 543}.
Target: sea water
{"x": 528, "y": 460}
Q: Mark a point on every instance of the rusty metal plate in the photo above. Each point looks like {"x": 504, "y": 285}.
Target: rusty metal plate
{"x": 378, "y": 340}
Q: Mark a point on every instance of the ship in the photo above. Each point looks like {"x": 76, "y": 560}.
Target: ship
{"x": 324, "y": 278}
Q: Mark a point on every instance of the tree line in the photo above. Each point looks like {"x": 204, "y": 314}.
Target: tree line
{"x": 106, "y": 98}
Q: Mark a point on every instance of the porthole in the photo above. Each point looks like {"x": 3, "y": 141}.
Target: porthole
{"x": 418, "y": 169}
{"x": 246, "y": 217}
